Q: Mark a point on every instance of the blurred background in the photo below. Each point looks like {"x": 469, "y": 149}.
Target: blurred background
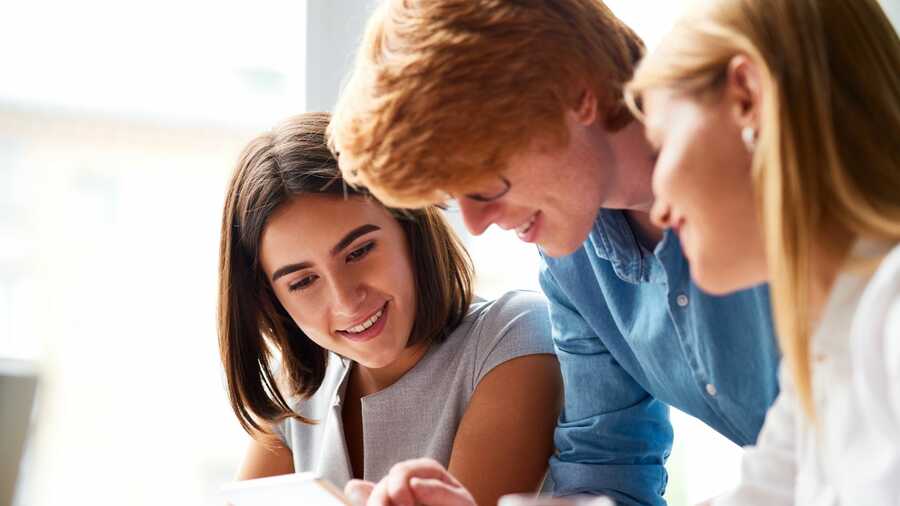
{"x": 120, "y": 122}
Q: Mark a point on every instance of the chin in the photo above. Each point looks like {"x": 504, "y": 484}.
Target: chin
{"x": 559, "y": 249}
{"x": 377, "y": 362}
{"x": 721, "y": 284}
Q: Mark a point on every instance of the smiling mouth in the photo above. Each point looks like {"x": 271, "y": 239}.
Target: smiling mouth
{"x": 367, "y": 324}
{"x": 525, "y": 227}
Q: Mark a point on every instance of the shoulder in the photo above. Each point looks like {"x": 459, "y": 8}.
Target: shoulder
{"x": 513, "y": 325}
{"x": 880, "y": 302}
{"x": 884, "y": 291}
{"x": 888, "y": 271}
{"x": 875, "y": 345}
{"x": 514, "y": 309}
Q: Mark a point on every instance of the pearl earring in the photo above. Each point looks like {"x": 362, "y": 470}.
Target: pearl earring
{"x": 748, "y": 135}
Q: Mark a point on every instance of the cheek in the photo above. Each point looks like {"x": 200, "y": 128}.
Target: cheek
{"x": 310, "y": 318}
{"x": 404, "y": 278}
{"x": 665, "y": 179}
{"x": 402, "y": 285}
{"x": 675, "y": 178}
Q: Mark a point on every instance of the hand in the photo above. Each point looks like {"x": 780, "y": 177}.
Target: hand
{"x": 419, "y": 482}
{"x": 358, "y": 491}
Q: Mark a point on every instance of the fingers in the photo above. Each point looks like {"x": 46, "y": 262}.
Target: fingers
{"x": 358, "y": 491}
{"x": 380, "y": 496}
{"x": 394, "y": 489}
{"x": 424, "y": 468}
{"x": 436, "y": 492}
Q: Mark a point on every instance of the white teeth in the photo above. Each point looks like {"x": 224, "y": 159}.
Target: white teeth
{"x": 366, "y": 324}
{"x": 525, "y": 227}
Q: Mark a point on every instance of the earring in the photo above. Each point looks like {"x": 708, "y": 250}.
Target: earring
{"x": 748, "y": 135}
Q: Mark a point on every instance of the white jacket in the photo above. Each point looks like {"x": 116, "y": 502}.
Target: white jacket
{"x": 853, "y": 457}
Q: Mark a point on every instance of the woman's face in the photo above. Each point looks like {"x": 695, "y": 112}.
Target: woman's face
{"x": 342, "y": 270}
{"x": 703, "y": 187}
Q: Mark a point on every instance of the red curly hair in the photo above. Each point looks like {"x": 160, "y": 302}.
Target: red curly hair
{"x": 443, "y": 92}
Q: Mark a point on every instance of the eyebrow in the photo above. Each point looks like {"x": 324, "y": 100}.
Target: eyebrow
{"x": 351, "y": 236}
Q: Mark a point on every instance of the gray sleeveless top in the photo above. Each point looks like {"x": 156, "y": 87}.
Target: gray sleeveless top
{"x": 418, "y": 415}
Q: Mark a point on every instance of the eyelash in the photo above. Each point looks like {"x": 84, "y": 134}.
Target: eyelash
{"x": 354, "y": 256}
{"x": 361, "y": 252}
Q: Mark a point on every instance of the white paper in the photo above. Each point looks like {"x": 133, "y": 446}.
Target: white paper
{"x": 287, "y": 490}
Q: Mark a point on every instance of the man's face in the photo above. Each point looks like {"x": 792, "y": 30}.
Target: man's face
{"x": 554, "y": 192}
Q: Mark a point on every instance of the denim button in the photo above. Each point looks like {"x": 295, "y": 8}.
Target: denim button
{"x": 711, "y": 389}
{"x": 682, "y": 300}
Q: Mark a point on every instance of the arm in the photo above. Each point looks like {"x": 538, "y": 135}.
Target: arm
{"x": 494, "y": 453}
{"x": 506, "y": 435}
{"x": 266, "y": 459}
{"x": 769, "y": 469}
{"x": 613, "y": 437}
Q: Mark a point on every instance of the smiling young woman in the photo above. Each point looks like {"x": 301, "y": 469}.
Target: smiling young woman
{"x": 777, "y": 124}
{"x": 351, "y": 339}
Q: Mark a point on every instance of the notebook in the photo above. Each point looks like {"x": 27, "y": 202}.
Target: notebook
{"x": 286, "y": 490}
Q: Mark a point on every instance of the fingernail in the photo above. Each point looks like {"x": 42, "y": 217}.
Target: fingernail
{"x": 354, "y": 496}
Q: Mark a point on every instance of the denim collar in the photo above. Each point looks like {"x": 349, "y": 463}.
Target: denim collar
{"x": 613, "y": 239}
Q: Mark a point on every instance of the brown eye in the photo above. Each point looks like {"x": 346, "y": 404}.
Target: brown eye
{"x": 359, "y": 253}
{"x": 302, "y": 283}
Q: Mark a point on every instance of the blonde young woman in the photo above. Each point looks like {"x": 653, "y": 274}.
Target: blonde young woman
{"x": 777, "y": 127}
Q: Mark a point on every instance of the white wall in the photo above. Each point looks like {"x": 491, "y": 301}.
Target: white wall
{"x": 892, "y": 8}
{"x": 332, "y": 34}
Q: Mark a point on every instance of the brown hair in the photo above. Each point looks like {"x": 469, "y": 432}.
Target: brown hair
{"x": 443, "y": 92}
{"x": 290, "y": 160}
{"x": 826, "y": 167}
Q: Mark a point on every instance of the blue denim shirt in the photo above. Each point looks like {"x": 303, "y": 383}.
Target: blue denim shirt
{"x": 634, "y": 335}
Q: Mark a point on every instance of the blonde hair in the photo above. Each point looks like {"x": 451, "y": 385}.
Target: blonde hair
{"x": 827, "y": 161}
{"x": 444, "y": 91}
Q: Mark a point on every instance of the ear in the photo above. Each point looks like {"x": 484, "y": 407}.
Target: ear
{"x": 586, "y": 109}
{"x": 743, "y": 89}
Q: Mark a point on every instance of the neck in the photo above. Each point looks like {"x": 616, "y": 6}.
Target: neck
{"x": 827, "y": 264}
{"x": 369, "y": 380}
{"x": 634, "y": 162}
{"x": 646, "y": 232}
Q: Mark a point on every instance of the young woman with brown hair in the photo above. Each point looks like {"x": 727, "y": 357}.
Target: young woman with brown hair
{"x": 351, "y": 339}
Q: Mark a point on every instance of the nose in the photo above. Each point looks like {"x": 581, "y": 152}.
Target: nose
{"x": 348, "y": 296}
{"x": 661, "y": 214}
{"x": 661, "y": 211}
{"x": 478, "y": 216}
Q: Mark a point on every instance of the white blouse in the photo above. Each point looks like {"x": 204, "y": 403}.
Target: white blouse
{"x": 853, "y": 457}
